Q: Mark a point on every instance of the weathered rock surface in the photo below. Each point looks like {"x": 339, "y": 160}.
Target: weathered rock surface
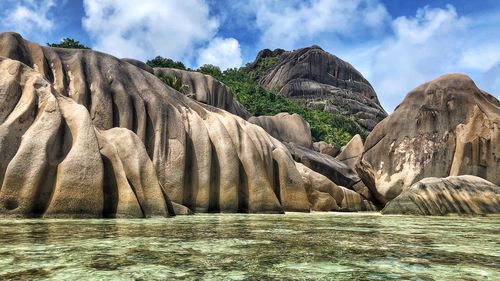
{"x": 286, "y": 127}
{"x": 441, "y": 196}
{"x": 207, "y": 90}
{"x": 446, "y": 127}
{"x": 324, "y": 80}
{"x": 139, "y": 64}
{"x": 351, "y": 152}
{"x": 325, "y": 148}
{"x": 323, "y": 164}
{"x": 84, "y": 134}
{"x": 325, "y": 195}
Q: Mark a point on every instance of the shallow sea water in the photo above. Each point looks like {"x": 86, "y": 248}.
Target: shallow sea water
{"x": 321, "y": 246}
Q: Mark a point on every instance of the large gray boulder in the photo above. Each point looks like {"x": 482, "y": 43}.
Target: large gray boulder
{"x": 445, "y": 127}
{"x": 452, "y": 195}
{"x": 325, "y": 195}
{"x": 323, "y": 80}
{"x": 286, "y": 128}
{"x": 326, "y": 165}
{"x": 351, "y": 152}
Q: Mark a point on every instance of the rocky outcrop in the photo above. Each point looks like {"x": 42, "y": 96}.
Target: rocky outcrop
{"x": 55, "y": 163}
{"x": 323, "y": 80}
{"x": 325, "y": 148}
{"x": 442, "y": 196}
{"x": 336, "y": 171}
{"x": 207, "y": 90}
{"x": 351, "y": 152}
{"x": 84, "y": 134}
{"x": 325, "y": 195}
{"x": 286, "y": 128}
{"x": 446, "y": 127}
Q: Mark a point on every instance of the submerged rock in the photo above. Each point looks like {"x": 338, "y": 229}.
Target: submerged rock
{"x": 442, "y": 196}
{"x": 446, "y": 127}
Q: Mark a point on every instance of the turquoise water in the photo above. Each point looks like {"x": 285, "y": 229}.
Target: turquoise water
{"x": 332, "y": 246}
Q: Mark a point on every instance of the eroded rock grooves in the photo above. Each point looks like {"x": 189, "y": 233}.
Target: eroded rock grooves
{"x": 84, "y": 134}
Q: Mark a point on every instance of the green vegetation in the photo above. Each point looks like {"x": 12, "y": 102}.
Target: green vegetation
{"x": 68, "y": 43}
{"x": 264, "y": 65}
{"x": 175, "y": 83}
{"x": 165, "y": 62}
{"x": 336, "y": 129}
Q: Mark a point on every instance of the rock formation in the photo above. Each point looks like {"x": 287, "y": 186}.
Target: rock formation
{"x": 325, "y": 148}
{"x": 207, "y": 90}
{"x": 326, "y": 165}
{"x": 286, "y": 128}
{"x": 446, "y": 127}
{"x": 84, "y": 134}
{"x": 325, "y": 195}
{"x": 351, "y": 152}
{"x": 322, "y": 80}
{"x": 442, "y": 196}
{"x": 140, "y": 65}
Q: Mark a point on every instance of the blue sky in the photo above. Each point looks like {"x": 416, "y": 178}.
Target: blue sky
{"x": 396, "y": 44}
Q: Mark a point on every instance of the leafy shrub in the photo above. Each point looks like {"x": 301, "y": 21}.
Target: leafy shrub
{"x": 165, "y": 62}
{"x": 265, "y": 64}
{"x": 211, "y": 70}
{"x": 68, "y": 43}
{"x": 175, "y": 83}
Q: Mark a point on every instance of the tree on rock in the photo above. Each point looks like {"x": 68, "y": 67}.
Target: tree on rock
{"x": 68, "y": 43}
{"x": 159, "y": 61}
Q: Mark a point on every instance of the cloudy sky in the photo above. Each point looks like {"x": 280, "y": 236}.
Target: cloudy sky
{"x": 395, "y": 44}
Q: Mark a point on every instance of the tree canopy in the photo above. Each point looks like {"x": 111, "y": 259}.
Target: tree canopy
{"x": 68, "y": 43}
{"x": 160, "y": 61}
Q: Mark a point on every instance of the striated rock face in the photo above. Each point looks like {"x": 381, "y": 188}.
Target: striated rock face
{"x": 83, "y": 134}
{"x": 446, "y": 127}
{"x": 441, "y": 196}
{"x": 324, "y": 80}
{"x": 207, "y": 90}
{"x": 55, "y": 163}
{"x": 286, "y": 127}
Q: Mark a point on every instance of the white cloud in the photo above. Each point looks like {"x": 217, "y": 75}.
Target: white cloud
{"x": 491, "y": 80}
{"x": 126, "y": 28}
{"x": 481, "y": 58}
{"x": 422, "y": 48}
{"x": 283, "y": 24}
{"x": 221, "y": 52}
{"x": 28, "y": 17}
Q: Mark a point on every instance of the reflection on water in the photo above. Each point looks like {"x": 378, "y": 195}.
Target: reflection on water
{"x": 249, "y": 247}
